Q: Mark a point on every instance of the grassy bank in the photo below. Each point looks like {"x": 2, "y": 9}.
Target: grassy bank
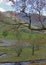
{"x": 26, "y": 53}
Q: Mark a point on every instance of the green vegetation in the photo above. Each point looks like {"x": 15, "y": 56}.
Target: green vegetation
{"x": 11, "y": 35}
{"x": 26, "y": 53}
{"x": 5, "y": 33}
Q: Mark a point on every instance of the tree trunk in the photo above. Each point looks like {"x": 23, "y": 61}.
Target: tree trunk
{"x": 41, "y": 21}
{"x": 33, "y": 49}
{"x": 29, "y": 22}
{"x": 19, "y": 52}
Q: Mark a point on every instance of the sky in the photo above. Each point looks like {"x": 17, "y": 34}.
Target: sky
{"x": 5, "y": 5}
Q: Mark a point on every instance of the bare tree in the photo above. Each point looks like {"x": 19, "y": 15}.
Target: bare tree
{"x": 23, "y": 8}
{"x": 39, "y": 5}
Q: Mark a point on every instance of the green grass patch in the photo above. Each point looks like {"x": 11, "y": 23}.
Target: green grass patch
{"x": 26, "y": 54}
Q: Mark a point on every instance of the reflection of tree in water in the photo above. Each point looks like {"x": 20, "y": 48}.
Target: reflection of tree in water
{"x": 18, "y": 63}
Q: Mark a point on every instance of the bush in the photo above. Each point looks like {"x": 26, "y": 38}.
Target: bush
{"x": 5, "y": 33}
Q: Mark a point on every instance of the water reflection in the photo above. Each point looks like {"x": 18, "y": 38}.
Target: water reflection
{"x": 7, "y": 63}
{"x": 23, "y": 63}
{"x": 40, "y": 61}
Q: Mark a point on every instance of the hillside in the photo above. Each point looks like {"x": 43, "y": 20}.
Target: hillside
{"x": 34, "y": 17}
{"x": 11, "y": 17}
